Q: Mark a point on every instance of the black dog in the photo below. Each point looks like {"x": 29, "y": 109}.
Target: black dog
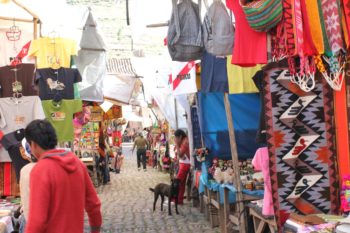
{"x": 171, "y": 191}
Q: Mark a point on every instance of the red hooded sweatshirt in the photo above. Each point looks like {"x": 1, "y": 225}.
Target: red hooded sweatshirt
{"x": 60, "y": 191}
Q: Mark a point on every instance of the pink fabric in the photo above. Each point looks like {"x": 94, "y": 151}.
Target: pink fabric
{"x": 261, "y": 163}
{"x": 250, "y": 47}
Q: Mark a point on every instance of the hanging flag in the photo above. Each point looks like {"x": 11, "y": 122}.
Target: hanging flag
{"x": 183, "y": 78}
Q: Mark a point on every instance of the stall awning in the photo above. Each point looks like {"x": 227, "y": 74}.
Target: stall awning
{"x": 121, "y": 66}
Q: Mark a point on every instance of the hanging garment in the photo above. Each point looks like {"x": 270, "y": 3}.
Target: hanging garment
{"x": 250, "y": 47}
{"x": 11, "y": 46}
{"x": 12, "y": 142}
{"x": 24, "y": 73}
{"x": 346, "y": 20}
{"x": 56, "y": 81}
{"x": 213, "y": 73}
{"x": 240, "y": 78}
{"x": 258, "y": 79}
{"x": 49, "y": 51}
{"x": 313, "y": 44}
{"x": 60, "y": 115}
{"x": 17, "y": 114}
{"x": 302, "y": 153}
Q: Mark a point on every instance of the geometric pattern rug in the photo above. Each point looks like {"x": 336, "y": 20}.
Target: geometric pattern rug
{"x": 301, "y": 144}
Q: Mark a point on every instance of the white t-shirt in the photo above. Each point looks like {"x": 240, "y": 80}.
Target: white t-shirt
{"x": 12, "y": 48}
{"x": 17, "y": 115}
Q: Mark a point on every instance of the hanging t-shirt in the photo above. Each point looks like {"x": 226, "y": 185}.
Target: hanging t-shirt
{"x": 12, "y": 142}
{"x": 17, "y": 114}
{"x": 61, "y": 117}
{"x": 261, "y": 163}
{"x": 11, "y": 45}
{"x": 240, "y": 78}
{"x": 213, "y": 73}
{"x": 49, "y": 51}
{"x": 250, "y": 46}
{"x": 23, "y": 73}
{"x": 56, "y": 81}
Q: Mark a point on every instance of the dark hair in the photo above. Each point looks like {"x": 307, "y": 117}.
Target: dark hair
{"x": 180, "y": 133}
{"x": 42, "y": 133}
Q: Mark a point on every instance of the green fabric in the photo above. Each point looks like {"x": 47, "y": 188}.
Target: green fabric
{"x": 76, "y": 91}
{"x": 327, "y": 48}
{"x": 61, "y": 117}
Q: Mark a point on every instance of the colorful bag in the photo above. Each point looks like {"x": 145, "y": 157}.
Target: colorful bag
{"x": 262, "y": 15}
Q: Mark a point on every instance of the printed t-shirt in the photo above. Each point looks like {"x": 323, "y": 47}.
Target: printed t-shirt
{"x": 24, "y": 74}
{"x": 12, "y": 142}
{"x": 17, "y": 114}
{"x": 10, "y": 49}
{"x": 49, "y": 51}
{"x": 56, "y": 81}
{"x": 250, "y": 46}
{"x": 213, "y": 74}
{"x": 240, "y": 78}
{"x": 60, "y": 115}
{"x": 261, "y": 163}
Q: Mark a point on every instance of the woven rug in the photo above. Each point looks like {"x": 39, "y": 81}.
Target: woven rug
{"x": 8, "y": 182}
{"x": 300, "y": 140}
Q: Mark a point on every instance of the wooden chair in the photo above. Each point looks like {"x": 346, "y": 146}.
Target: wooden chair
{"x": 260, "y": 222}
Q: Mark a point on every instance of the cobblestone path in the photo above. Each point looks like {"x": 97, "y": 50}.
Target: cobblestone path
{"x": 127, "y": 205}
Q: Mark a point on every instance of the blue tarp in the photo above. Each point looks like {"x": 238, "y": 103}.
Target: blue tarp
{"x": 245, "y": 110}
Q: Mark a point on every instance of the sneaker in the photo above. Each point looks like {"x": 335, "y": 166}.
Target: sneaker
{"x": 144, "y": 170}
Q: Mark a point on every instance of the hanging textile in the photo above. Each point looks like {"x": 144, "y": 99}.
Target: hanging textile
{"x": 8, "y": 183}
{"x": 301, "y": 149}
{"x": 240, "y": 78}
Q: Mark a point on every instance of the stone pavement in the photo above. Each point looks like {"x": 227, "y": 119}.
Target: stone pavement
{"x": 127, "y": 205}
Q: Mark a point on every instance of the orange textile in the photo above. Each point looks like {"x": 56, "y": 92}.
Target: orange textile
{"x": 315, "y": 26}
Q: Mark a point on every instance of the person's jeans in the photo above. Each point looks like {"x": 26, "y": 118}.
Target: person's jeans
{"x": 22, "y": 224}
{"x": 182, "y": 176}
{"x": 141, "y": 157}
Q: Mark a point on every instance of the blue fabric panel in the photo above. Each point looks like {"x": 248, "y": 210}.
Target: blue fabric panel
{"x": 245, "y": 110}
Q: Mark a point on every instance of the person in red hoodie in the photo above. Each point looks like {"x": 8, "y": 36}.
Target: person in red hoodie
{"x": 61, "y": 188}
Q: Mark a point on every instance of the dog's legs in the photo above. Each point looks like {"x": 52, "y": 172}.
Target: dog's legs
{"x": 162, "y": 202}
{"x": 169, "y": 205}
{"x": 155, "y": 201}
{"x": 176, "y": 201}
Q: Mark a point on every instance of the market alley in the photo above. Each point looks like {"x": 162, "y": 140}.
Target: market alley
{"x": 127, "y": 204}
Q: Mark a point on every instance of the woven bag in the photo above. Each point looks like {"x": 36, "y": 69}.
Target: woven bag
{"x": 262, "y": 15}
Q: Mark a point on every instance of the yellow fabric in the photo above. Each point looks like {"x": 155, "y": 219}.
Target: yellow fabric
{"x": 240, "y": 78}
{"x": 315, "y": 26}
{"x": 48, "y": 50}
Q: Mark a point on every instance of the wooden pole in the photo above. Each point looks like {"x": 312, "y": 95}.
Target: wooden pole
{"x": 157, "y": 25}
{"x": 237, "y": 177}
{"x": 16, "y": 19}
{"x": 35, "y": 30}
{"x": 176, "y": 117}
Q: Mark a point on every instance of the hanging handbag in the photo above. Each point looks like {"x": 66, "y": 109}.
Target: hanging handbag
{"x": 263, "y": 15}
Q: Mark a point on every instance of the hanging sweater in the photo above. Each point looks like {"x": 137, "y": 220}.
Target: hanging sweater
{"x": 60, "y": 191}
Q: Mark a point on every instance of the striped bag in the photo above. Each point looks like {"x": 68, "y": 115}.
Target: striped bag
{"x": 262, "y": 15}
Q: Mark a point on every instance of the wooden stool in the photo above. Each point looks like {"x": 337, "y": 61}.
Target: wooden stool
{"x": 260, "y": 222}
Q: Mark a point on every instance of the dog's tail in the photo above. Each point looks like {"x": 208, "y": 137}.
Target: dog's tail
{"x": 151, "y": 189}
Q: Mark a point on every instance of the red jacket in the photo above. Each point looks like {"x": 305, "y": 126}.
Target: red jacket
{"x": 60, "y": 191}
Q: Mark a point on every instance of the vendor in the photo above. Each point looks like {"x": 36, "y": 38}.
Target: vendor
{"x": 183, "y": 153}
